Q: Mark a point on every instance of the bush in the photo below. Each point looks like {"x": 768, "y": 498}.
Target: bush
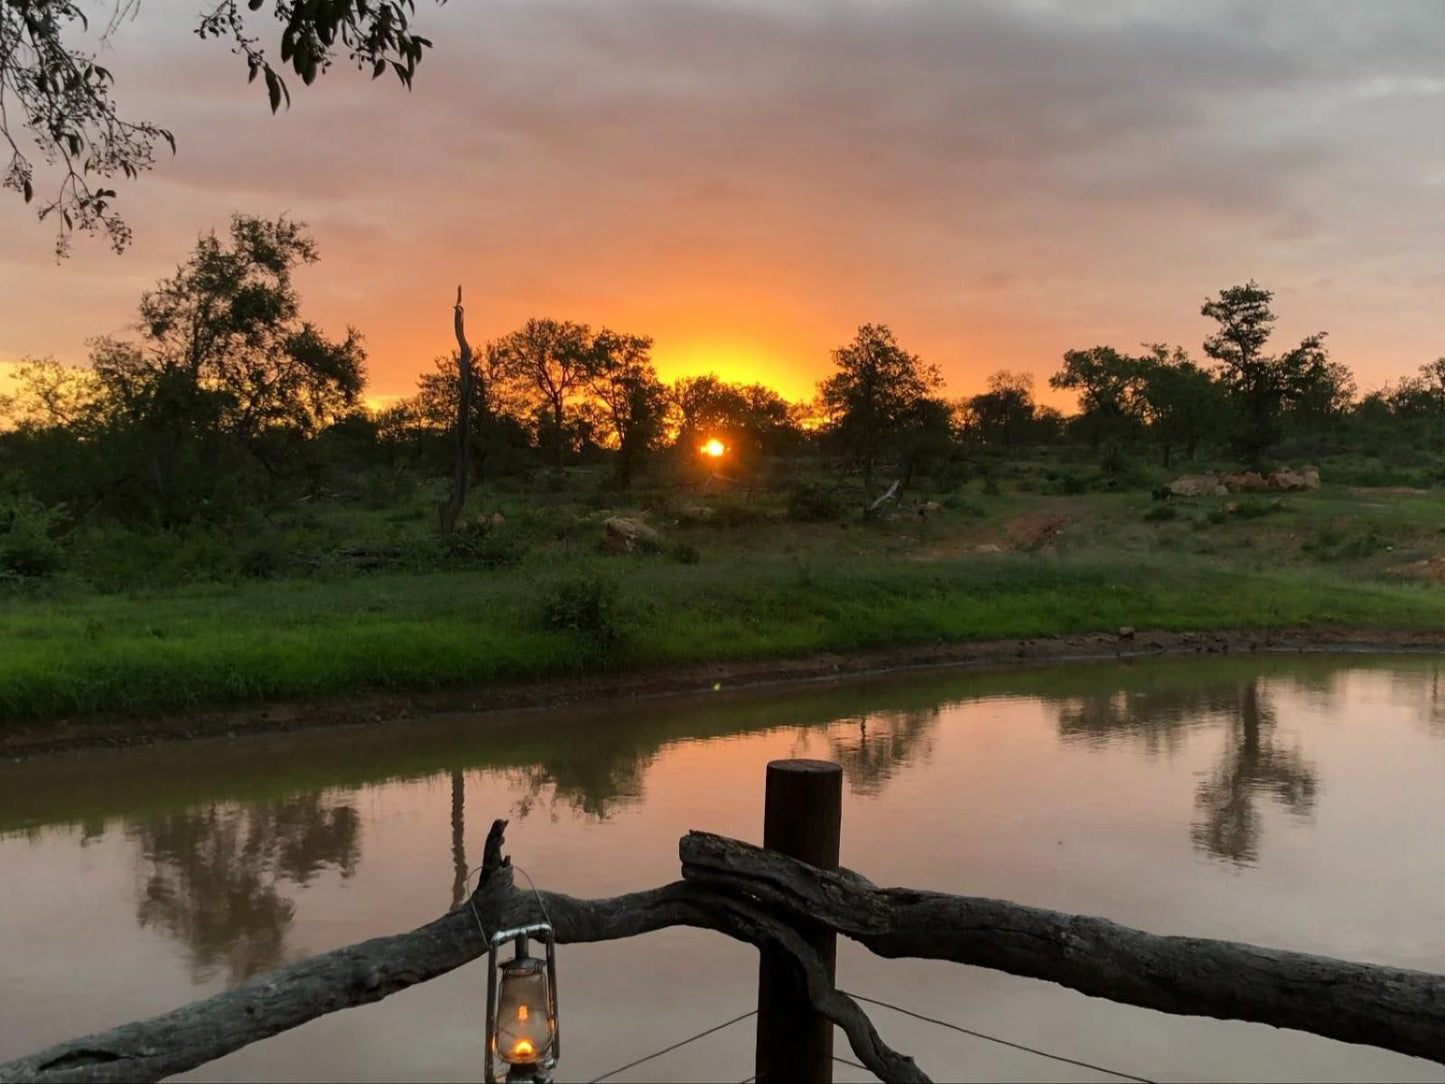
{"x": 484, "y": 545}
{"x": 265, "y": 556}
{"x": 685, "y": 553}
{"x": 1253, "y": 508}
{"x": 815, "y": 502}
{"x": 588, "y": 604}
{"x": 27, "y": 547}
{"x": 1161, "y": 513}
{"x": 1333, "y": 544}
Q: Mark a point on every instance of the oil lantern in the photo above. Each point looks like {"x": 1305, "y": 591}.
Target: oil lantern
{"x": 522, "y": 1006}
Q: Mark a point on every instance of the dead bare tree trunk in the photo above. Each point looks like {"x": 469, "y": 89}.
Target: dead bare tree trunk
{"x": 450, "y": 510}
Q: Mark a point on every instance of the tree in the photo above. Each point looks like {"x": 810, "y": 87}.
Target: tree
{"x": 449, "y": 510}
{"x": 626, "y": 385}
{"x": 497, "y": 403}
{"x": 62, "y": 97}
{"x": 877, "y": 386}
{"x": 1182, "y": 403}
{"x": 556, "y": 358}
{"x": 1003, "y": 415}
{"x": 224, "y": 362}
{"x": 751, "y": 419}
{"x": 1108, "y": 384}
{"x": 1261, "y": 385}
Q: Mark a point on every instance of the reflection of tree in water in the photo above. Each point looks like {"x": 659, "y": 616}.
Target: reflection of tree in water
{"x": 595, "y": 778}
{"x": 1157, "y": 719}
{"x": 873, "y": 746}
{"x": 216, "y": 875}
{"x": 1253, "y": 764}
{"x": 593, "y": 782}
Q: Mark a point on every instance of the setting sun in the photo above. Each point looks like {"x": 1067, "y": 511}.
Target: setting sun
{"x": 714, "y": 448}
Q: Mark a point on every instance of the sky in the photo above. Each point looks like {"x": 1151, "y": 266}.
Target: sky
{"x": 747, "y": 181}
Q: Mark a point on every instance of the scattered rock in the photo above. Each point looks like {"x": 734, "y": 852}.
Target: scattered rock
{"x": 1247, "y": 482}
{"x": 1126, "y": 632}
{"x": 1197, "y": 485}
{"x": 498, "y": 519}
{"x": 1287, "y": 480}
{"x": 987, "y": 547}
{"x": 929, "y": 508}
{"x": 1230, "y": 507}
{"x": 622, "y": 534}
{"x": 1311, "y": 475}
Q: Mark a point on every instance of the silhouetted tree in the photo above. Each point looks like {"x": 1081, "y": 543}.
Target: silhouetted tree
{"x": 876, "y": 389}
{"x": 1109, "y": 385}
{"x": 635, "y": 401}
{"x": 1261, "y": 384}
{"x": 1183, "y": 404}
{"x": 555, "y": 357}
{"x": 1003, "y": 415}
{"x": 224, "y": 362}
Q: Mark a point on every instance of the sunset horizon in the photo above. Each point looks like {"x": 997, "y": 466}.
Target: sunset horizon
{"x": 748, "y": 184}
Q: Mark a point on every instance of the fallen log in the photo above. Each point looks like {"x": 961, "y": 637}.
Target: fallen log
{"x": 267, "y": 1005}
{"x": 1393, "y": 1008}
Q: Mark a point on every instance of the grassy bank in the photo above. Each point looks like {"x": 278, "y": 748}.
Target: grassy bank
{"x": 731, "y": 577}
{"x": 212, "y": 645}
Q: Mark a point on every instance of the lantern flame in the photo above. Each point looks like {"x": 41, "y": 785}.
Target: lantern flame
{"x": 523, "y": 1048}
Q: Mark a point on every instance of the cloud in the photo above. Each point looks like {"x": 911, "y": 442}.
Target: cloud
{"x": 749, "y": 181}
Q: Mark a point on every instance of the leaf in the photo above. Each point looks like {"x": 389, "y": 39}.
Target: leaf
{"x": 273, "y": 89}
{"x": 28, "y": 189}
{"x": 378, "y": 69}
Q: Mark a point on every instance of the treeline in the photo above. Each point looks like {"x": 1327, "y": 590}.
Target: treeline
{"x": 227, "y": 401}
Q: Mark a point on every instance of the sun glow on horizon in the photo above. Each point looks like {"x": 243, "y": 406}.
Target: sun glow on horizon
{"x": 713, "y": 448}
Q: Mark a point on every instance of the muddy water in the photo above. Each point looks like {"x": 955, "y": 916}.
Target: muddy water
{"x": 1290, "y": 802}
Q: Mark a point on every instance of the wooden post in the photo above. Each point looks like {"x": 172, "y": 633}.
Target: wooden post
{"x": 802, "y": 815}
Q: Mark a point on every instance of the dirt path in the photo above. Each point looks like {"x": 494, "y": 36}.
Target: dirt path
{"x": 77, "y": 735}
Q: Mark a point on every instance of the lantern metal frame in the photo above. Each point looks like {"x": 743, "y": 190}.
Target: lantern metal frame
{"x": 540, "y": 1070}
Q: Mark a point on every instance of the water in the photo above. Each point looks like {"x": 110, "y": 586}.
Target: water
{"x": 1294, "y": 803}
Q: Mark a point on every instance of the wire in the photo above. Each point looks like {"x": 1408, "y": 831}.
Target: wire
{"x": 996, "y": 1039}
{"x": 845, "y": 1061}
{"x": 674, "y": 1046}
{"x": 545, "y": 916}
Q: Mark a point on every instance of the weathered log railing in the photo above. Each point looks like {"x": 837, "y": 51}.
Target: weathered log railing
{"x": 760, "y": 897}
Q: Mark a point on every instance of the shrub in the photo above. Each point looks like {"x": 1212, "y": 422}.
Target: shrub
{"x": 685, "y": 553}
{"x": 27, "y": 547}
{"x": 264, "y": 556}
{"x": 588, "y": 604}
{"x": 815, "y": 502}
{"x": 482, "y": 544}
{"x": 1254, "y": 508}
{"x": 1161, "y": 513}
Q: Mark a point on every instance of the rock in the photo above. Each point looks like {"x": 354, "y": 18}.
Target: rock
{"x": 498, "y": 519}
{"x": 1248, "y": 482}
{"x": 1126, "y": 632}
{"x": 1195, "y": 485}
{"x": 1311, "y": 475}
{"x": 929, "y": 508}
{"x": 1287, "y": 480}
{"x": 1230, "y": 508}
{"x": 987, "y": 547}
{"x": 622, "y": 534}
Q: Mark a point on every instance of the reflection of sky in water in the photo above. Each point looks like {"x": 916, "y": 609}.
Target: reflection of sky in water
{"x": 1292, "y": 803}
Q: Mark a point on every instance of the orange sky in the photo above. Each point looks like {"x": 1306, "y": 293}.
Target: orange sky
{"x": 749, "y": 180}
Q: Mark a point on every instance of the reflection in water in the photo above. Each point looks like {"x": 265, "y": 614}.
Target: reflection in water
{"x": 1253, "y": 763}
{"x": 459, "y": 833}
{"x": 874, "y": 746}
{"x": 215, "y": 875}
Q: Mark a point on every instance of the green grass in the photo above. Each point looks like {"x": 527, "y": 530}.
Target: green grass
{"x": 206, "y": 646}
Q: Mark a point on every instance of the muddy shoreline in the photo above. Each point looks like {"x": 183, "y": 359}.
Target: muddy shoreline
{"x": 68, "y": 736}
